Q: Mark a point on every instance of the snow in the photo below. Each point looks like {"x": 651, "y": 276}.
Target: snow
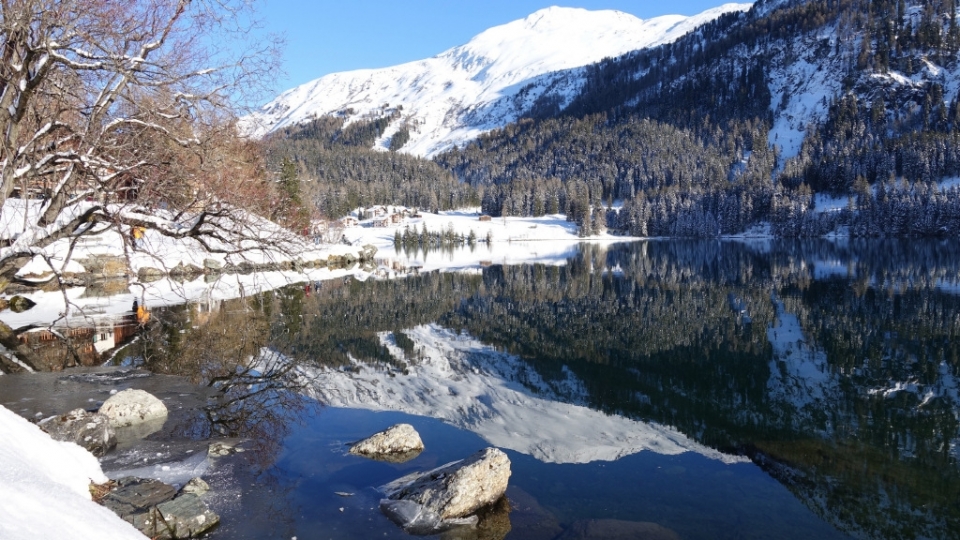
{"x": 485, "y": 84}
{"x": 799, "y": 373}
{"x": 243, "y": 237}
{"x": 496, "y": 395}
{"x": 824, "y": 203}
{"x": 86, "y": 309}
{"x": 547, "y": 239}
{"x": 44, "y": 488}
{"x": 801, "y": 92}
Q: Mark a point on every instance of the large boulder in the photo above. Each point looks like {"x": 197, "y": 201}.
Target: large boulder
{"x": 396, "y": 444}
{"x": 423, "y": 503}
{"x": 133, "y": 407}
{"x": 90, "y": 430}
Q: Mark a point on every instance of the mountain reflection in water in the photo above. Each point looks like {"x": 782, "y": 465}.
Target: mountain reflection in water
{"x": 830, "y": 365}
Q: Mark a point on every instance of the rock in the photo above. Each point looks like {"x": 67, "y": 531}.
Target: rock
{"x": 397, "y": 444}
{"x": 105, "y": 265}
{"x": 367, "y": 252}
{"x": 615, "y": 529}
{"x": 196, "y": 486}
{"x": 447, "y": 494}
{"x": 139, "y": 431}
{"x": 151, "y": 506}
{"x": 132, "y": 407}
{"x": 4, "y": 304}
{"x": 137, "y": 495}
{"x": 530, "y": 520}
{"x": 212, "y": 265}
{"x": 89, "y": 430}
{"x": 184, "y": 517}
{"x": 221, "y": 449}
{"x": 148, "y": 274}
{"x": 186, "y": 270}
{"x": 19, "y": 304}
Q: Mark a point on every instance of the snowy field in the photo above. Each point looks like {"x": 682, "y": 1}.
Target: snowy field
{"x": 44, "y": 488}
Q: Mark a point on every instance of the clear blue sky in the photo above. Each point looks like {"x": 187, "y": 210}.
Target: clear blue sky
{"x": 327, "y": 36}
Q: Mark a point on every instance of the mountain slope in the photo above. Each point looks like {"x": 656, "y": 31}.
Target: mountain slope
{"x": 485, "y": 84}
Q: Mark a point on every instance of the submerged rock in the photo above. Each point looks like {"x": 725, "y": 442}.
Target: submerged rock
{"x": 89, "y": 430}
{"x": 132, "y": 407}
{"x": 615, "y": 529}
{"x": 196, "y": 486}
{"x": 444, "y": 496}
{"x": 397, "y": 444}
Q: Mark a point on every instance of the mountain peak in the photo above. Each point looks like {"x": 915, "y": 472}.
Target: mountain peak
{"x": 490, "y": 81}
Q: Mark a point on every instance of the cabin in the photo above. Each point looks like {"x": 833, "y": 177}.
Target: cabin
{"x": 349, "y": 221}
{"x": 485, "y": 217}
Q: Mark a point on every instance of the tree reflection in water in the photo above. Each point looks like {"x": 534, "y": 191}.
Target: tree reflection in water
{"x": 857, "y": 413}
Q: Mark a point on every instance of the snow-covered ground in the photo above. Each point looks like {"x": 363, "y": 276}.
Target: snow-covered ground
{"x": 241, "y": 239}
{"x": 44, "y": 488}
{"x": 468, "y": 384}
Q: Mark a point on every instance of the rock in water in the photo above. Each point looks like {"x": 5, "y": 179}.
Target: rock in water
{"x": 19, "y": 304}
{"x": 132, "y": 407}
{"x": 196, "y": 486}
{"x": 90, "y": 430}
{"x": 397, "y": 444}
{"x": 451, "y": 492}
{"x": 151, "y": 507}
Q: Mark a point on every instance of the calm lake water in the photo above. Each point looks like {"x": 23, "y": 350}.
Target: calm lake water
{"x": 716, "y": 389}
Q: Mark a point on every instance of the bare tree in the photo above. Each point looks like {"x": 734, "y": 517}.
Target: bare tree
{"x": 110, "y": 111}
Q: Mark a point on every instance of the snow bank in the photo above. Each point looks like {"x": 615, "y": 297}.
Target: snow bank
{"x": 44, "y": 488}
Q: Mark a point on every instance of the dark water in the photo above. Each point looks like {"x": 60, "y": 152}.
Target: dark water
{"x": 813, "y": 386}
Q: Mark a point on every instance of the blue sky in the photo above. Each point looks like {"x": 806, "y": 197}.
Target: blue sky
{"x": 326, "y": 36}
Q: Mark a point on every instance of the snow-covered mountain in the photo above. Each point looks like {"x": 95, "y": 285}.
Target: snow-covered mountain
{"x": 485, "y": 84}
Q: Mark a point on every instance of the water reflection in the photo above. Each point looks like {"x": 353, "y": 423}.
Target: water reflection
{"x": 831, "y": 365}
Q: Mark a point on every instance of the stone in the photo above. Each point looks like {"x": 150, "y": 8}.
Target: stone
{"x": 132, "y": 407}
{"x": 455, "y": 490}
{"x": 212, "y": 265}
{"x": 186, "y": 270}
{"x": 396, "y": 444}
{"x": 185, "y": 517}
{"x": 137, "y": 495}
{"x": 105, "y": 265}
{"x": 367, "y": 252}
{"x": 221, "y": 449}
{"x": 4, "y": 304}
{"x": 19, "y": 304}
{"x": 196, "y": 486}
{"x": 89, "y": 430}
{"x": 155, "y": 509}
{"x": 615, "y": 529}
{"x": 149, "y": 274}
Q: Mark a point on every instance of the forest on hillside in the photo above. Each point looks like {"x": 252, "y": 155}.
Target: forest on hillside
{"x": 676, "y": 140}
{"x": 339, "y": 172}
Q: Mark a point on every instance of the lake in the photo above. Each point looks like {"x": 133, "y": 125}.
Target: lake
{"x": 716, "y": 389}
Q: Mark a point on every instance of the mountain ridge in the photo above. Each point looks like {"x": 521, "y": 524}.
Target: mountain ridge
{"x": 487, "y": 83}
